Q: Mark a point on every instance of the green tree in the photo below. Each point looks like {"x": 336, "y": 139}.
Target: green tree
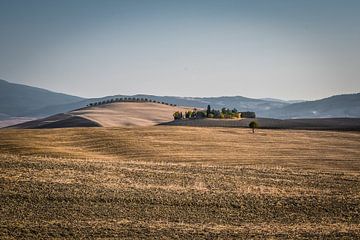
{"x": 200, "y": 114}
{"x": 208, "y": 110}
{"x": 253, "y": 125}
{"x": 216, "y": 113}
{"x": 177, "y": 115}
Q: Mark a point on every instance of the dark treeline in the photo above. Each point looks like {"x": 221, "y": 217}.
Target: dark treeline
{"x": 224, "y": 113}
{"x": 127, "y": 99}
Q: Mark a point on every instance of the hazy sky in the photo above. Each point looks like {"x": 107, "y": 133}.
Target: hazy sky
{"x": 304, "y": 49}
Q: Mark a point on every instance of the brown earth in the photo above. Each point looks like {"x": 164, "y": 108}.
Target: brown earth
{"x": 179, "y": 182}
{"x": 342, "y": 124}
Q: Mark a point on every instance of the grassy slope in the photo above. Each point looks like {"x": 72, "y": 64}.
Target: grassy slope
{"x": 176, "y": 182}
{"x": 125, "y": 114}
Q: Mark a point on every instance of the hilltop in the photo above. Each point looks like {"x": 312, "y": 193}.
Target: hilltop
{"x": 19, "y": 103}
{"x": 125, "y": 114}
{"x": 116, "y": 114}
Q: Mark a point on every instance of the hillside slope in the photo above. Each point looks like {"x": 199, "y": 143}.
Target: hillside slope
{"x": 240, "y": 103}
{"x": 120, "y": 114}
{"x": 346, "y": 105}
{"x": 338, "y": 106}
{"x": 17, "y": 100}
{"x": 127, "y": 114}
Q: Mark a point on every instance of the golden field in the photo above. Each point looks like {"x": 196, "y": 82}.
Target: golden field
{"x": 169, "y": 182}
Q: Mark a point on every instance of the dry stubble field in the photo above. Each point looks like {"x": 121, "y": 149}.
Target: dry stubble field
{"x": 179, "y": 182}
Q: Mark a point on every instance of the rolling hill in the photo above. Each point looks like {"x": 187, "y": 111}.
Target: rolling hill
{"x": 17, "y": 100}
{"x": 339, "y": 106}
{"x": 347, "y": 105}
{"x": 241, "y": 103}
{"x": 120, "y": 114}
{"x": 126, "y": 114}
{"x": 19, "y": 103}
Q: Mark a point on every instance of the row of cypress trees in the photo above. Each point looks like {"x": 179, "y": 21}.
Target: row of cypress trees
{"x": 127, "y": 99}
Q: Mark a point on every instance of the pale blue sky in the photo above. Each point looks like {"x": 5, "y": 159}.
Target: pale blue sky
{"x": 303, "y": 49}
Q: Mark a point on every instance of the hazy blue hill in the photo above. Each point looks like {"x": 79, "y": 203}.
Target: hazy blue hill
{"x": 20, "y": 100}
{"x": 336, "y": 106}
{"x": 238, "y": 102}
{"x": 58, "y": 108}
{"x": 283, "y": 101}
{"x": 346, "y": 105}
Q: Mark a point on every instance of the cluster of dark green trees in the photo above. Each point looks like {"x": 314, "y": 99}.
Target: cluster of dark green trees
{"x": 224, "y": 113}
{"x": 128, "y": 99}
{"x": 189, "y": 114}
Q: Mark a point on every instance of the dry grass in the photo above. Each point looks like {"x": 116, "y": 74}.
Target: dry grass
{"x": 179, "y": 182}
{"x": 129, "y": 114}
{"x": 331, "y": 124}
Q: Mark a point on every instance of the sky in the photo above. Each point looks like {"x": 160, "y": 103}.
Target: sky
{"x": 305, "y": 49}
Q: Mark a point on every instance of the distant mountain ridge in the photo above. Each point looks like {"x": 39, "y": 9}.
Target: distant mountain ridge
{"x": 280, "y": 100}
{"x": 18, "y": 100}
{"x": 345, "y": 105}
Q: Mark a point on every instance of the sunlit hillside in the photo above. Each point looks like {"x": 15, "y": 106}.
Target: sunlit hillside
{"x": 125, "y": 114}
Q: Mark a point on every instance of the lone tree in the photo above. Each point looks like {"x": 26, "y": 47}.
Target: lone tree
{"x": 253, "y": 125}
